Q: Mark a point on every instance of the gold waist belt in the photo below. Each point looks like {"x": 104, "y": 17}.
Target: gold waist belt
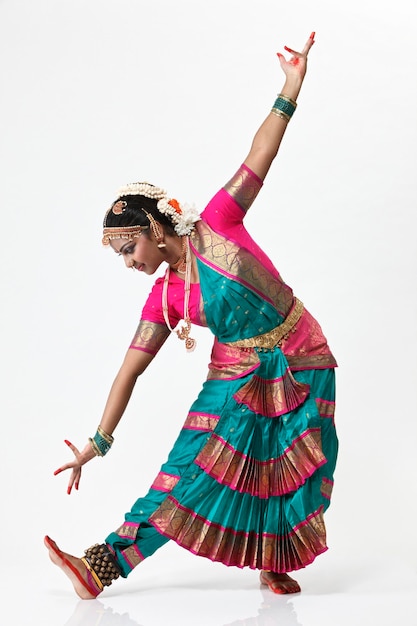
{"x": 275, "y": 336}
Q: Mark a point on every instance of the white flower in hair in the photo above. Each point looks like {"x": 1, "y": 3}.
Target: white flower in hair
{"x": 182, "y": 217}
{"x": 142, "y": 189}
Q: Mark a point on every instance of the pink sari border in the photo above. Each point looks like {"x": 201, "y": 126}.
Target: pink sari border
{"x": 131, "y": 347}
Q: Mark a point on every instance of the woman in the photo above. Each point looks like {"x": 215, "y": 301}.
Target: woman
{"x": 250, "y": 475}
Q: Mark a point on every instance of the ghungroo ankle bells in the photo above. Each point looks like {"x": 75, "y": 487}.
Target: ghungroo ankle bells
{"x": 102, "y": 565}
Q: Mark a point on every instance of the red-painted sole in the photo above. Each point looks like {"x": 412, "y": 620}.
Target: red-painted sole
{"x": 73, "y": 569}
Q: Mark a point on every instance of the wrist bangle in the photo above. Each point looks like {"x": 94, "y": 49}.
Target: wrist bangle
{"x": 284, "y": 107}
{"x": 101, "y": 442}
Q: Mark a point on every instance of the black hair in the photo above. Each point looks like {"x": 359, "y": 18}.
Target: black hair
{"x": 134, "y": 214}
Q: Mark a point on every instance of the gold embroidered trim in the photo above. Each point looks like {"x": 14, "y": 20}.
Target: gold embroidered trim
{"x": 201, "y": 421}
{"x": 164, "y": 482}
{"x": 149, "y": 336}
{"x": 326, "y": 488}
{"x": 274, "y": 477}
{"x": 326, "y": 408}
{"x": 243, "y": 188}
{"x": 275, "y": 336}
{"x": 272, "y": 398}
{"x": 314, "y": 361}
{"x": 282, "y": 552}
{"x": 227, "y": 257}
{"x": 128, "y": 530}
{"x": 132, "y": 556}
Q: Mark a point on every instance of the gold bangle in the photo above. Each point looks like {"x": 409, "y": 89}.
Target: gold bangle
{"x": 281, "y": 114}
{"x": 105, "y": 435}
{"x": 95, "y": 447}
{"x": 288, "y": 99}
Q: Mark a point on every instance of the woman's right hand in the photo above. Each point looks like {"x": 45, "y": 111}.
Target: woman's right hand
{"x": 296, "y": 66}
{"x": 81, "y": 458}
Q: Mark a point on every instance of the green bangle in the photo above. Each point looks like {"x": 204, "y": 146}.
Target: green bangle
{"x": 101, "y": 442}
{"x": 284, "y": 107}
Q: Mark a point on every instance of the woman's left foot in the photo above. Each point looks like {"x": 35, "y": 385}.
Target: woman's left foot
{"x": 74, "y": 568}
{"x": 279, "y": 583}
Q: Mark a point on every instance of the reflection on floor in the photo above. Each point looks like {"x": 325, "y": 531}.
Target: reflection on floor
{"x": 177, "y": 590}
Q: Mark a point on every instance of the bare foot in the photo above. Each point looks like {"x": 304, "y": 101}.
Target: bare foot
{"x": 279, "y": 583}
{"x": 75, "y": 569}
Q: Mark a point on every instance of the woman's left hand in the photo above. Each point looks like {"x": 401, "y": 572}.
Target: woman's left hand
{"x": 296, "y": 66}
{"x": 80, "y": 458}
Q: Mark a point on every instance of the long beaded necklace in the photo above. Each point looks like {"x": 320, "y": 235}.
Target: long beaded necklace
{"x": 183, "y": 333}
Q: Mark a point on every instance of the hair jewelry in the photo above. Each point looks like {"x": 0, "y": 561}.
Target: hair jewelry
{"x": 183, "y": 217}
{"x": 155, "y": 228}
{"x": 121, "y": 232}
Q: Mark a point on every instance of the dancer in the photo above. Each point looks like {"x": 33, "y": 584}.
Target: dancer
{"x": 250, "y": 475}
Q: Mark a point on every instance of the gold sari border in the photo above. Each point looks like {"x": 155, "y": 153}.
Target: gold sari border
{"x": 243, "y": 188}
{"x": 272, "y": 398}
{"x": 326, "y": 408}
{"x": 201, "y": 421}
{"x": 326, "y": 488}
{"x": 165, "y": 482}
{"x": 149, "y": 337}
{"x": 285, "y": 552}
{"x": 132, "y": 555}
{"x": 128, "y": 530}
{"x": 311, "y": 362}
{"x": 263, "y": 479}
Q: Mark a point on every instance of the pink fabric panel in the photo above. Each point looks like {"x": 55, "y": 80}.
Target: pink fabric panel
{"x": 152, "y": 311}
{"x": 308, "y": 340}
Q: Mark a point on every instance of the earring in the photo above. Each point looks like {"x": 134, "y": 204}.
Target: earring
{"x": 158, "y": 234}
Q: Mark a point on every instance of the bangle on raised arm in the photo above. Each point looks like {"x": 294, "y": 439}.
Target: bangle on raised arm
{"x": 101, "y": 442}
{"x": 284, "y": 107}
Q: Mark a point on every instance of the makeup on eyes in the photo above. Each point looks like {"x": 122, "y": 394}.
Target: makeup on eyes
{"x": 127, "y": 248}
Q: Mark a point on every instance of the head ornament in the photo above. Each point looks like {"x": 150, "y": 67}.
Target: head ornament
{"x": 182, "y": 217}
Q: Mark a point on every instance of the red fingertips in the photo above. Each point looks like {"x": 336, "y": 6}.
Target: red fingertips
{"x": 69, "y": 491}
{"x": 58, "y": 471}
{"x": 67, "y": 442}
{"x": 313, "y": 34}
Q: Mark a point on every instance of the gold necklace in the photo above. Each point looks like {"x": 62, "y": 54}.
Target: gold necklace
{"x": 183, "y": 333}
{"x": 181, "y": 265}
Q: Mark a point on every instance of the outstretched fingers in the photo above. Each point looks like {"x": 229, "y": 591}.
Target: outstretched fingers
{"x": 309, "y": 43}
{"x": 74, "y": 465}
{"x": 303, "y": 54}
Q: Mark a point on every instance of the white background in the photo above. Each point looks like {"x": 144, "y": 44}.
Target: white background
{"x": 97, "y": 94}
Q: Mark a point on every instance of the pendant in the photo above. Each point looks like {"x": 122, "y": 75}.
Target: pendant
{"x": 190, "y": 344}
